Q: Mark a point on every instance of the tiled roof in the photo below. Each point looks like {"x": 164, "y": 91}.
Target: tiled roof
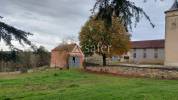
{"x": 65, "y": 47}
{"x": 147, "y": 44}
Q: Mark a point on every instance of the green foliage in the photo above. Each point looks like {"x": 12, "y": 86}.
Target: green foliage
{"x": 77, "y": 85}
{"x": 8, "y": 56}
{"x": 91, "y": 34}
{"x": 23, "y": 60}
{"x": 9, "y": 33}
{"x": 126, "y": 10}
{"x": 96, "y": 37}
{"x": 44, "y": 56}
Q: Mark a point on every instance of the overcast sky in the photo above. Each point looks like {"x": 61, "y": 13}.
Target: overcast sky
{"x": 53, "y": 21}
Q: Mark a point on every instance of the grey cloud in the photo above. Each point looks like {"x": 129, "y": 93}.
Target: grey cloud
{"x": 52, "y": 19}
{"x": 156, "y": 12}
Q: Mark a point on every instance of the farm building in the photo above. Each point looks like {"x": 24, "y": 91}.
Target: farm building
{"x": 147, "y": 51}
{"x": 67, "y": 56}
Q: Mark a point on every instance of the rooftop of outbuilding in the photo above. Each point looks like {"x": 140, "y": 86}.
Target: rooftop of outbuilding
{"x": 148, "y": 44}
{"x": 65, "y": 47}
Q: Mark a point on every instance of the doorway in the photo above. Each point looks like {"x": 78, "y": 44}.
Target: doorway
{"x": 74, "y": 61}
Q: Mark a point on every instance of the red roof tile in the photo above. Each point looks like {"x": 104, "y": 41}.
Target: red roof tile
{"x": 147, "y": 44}
{"x": 65, "y": 47}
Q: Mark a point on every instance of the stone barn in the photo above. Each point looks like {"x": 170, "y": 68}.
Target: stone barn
{"x": 67, "y": 56}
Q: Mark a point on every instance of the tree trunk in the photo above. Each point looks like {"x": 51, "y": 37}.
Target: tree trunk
{"x": 104, "y": 59}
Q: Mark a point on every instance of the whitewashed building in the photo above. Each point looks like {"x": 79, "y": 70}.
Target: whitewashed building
{"x": 147, "y": 52}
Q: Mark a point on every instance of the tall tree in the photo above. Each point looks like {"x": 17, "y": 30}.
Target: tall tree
{"x": 126, "y": 10}
{"x": 43, "y": 56}
{"x": 9, "y": 33}
{"x": 95, "y": 37}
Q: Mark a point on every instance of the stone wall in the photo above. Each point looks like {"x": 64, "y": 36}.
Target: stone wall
{"x": 153, "y": 72}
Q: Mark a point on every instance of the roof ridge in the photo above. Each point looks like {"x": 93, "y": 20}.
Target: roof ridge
{"x": 64, "y": 47}
{"x": 149, "y": 40}
{"x": 148, "y": 44}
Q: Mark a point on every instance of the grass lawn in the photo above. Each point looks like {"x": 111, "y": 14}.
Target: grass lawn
{"x": 77, "y": 85}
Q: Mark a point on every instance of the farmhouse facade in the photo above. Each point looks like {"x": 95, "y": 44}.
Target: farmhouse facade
{"x": 67, "y": 56}
{"x": 149, "y": 51}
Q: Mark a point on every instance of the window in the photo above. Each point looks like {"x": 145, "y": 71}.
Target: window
{"x": 156, "y": 53}
{"x": 135, "y": 55}
{"x": 144, "y": 53}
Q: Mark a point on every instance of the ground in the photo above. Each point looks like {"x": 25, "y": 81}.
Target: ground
{"x": 79, "y": 85}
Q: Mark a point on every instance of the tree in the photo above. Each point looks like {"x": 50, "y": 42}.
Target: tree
{"x": 95, "y": 37}
{"x": 9, "y": 33}
{"x": 25, "y": 61}
{"x": 43, "y": 56}
{"x": 126, "y": 10}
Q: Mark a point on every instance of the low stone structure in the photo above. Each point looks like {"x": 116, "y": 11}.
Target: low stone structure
{"x": 134, "y": 71}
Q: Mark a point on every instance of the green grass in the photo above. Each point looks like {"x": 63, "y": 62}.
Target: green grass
{"x": 77, "y": 85}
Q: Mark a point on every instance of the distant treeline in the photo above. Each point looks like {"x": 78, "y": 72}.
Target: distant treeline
{"x": 23, "y": 60}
